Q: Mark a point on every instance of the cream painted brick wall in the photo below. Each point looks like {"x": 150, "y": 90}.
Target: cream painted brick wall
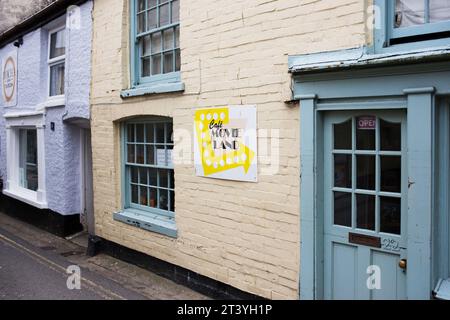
{"x": 233, "y": 52}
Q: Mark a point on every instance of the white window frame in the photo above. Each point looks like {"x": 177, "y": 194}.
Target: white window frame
{"x": 54, "y": 61}
{"x": 13, "y": 188}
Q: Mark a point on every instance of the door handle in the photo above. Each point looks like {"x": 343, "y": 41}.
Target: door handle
{"x": 403, "y": 263}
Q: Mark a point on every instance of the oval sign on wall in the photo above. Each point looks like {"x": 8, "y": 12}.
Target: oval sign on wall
{"x": 9, "y": 79}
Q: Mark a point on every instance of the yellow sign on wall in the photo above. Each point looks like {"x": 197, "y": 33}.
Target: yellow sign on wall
{"x": 225, "y": 143}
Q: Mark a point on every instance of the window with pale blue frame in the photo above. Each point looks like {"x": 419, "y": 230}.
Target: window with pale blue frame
{"x": 413, "y": 21}
{"x": 149, "y": 175}
{"x": 156, "y": 45}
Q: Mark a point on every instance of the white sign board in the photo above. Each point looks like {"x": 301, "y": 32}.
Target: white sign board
{"x": 226, "y": 143}
{"x": 9, "y": 79}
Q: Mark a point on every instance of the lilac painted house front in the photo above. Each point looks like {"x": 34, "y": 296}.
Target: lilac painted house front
{"x": 45, "y": 166}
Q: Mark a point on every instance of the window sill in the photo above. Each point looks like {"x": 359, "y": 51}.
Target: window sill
{"x": 51, "y": 102}
{"x": 153, "y": 89}
{"x": 147, "y": 221}
{"x": 26, "y": 196}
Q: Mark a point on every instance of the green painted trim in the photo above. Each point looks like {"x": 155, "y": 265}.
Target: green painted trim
{"x": 153, "y": 223}
{"x": 153, "y": 89}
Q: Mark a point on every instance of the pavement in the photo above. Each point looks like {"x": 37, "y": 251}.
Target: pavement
{"x": 40, "y": 266}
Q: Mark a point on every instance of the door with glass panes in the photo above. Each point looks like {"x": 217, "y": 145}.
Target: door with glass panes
{"x": 365, "y": 185}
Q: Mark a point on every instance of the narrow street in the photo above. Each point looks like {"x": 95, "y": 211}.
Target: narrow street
{"x": 34, "y": 266}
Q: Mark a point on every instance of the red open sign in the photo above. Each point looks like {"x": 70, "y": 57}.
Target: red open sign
{"x": 367, "y": 123}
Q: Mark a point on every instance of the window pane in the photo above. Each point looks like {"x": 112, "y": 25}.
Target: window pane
{"x": 156, "y": 42}
{"x": 153, "y": 175}
{"x": 172, "y": 201}
{"x": 390, "y": 215}
{"x": 57, "y": 79}
{"x": 391, "y": 174}
{"x": 153, "y": 198}
{"x": 57, "y": 44}
{"x": 141, "y": 22}
{"x": 390, "y": 136}
{"x": 156, "y": 64}
{"x": 365, "y": 209}
{"x": 169, "y": 137}
{"x": 168, "y": 39}
{"x": 177, "y": 37}
{"x": 160, "y": 132}
{"x": 150, "y": 154}
{"x": 177, "y": 60}
{"x": 365, "y": 133}
{"x": 145, "y": 67}
{"x": 130, "y": 133}
{"x": 140, "y": 154}
{"x": 168, "y": 62}
{"x": 164, "y": 18}
{"x": 31, "y": 147}
{"x": 163, "y": 178}
{"x": 342, "y": 171}
{"x": 152, "y": 20}
{"x": 439, "y": 10}
{"x": 131, "y": 153}
{"x": 143, "y": 176}
{"x": 365, "y": 168}
{"x": 149, "y": 133}
{"x": 175, "y": 11}
{"x": 343, "y": 209}
{"x": 172, "y": 179}
{"x": 145, "y": 44}
{"x": 28, "y": 168}
{"x": 134, "y": 194}
{"x": 343, "y": 136}
{"x": 409, "y": 13}
{"x": 139, "y": 133}
{"x": 141, "y": 5}
{"x": 134, "y": 174}
{"x": 163, "y": 199}
{"x": 143, "y": 196}
{"x": 151, "y": 3}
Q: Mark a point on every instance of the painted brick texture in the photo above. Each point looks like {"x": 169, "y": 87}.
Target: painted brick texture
{"x": 246, "y": 235}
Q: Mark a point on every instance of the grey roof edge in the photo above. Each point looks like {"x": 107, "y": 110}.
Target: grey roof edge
{"x": 362, "y": 57}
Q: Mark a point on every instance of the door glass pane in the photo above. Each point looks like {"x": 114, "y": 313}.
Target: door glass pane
{"x": 391, "y": 174}
{"x": 390, "y": 136}
{"x": 343, "y": 136}
{"x": 390, "y": 215}
{"x": 365, "y": 209}
{"x": 365, "y": 168}
{"x": 343, "y": 209}
{"x": 409, "y": 13}
{"x": 439, "y": 10}
{"x": 365, "y": 133}
{"x": 343, "y": 170}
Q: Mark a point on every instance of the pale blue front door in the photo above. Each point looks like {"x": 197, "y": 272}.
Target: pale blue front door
{"x": 365, "y": 204}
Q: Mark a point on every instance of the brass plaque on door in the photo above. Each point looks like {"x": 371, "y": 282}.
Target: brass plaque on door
{"x": 364, "y": 240}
